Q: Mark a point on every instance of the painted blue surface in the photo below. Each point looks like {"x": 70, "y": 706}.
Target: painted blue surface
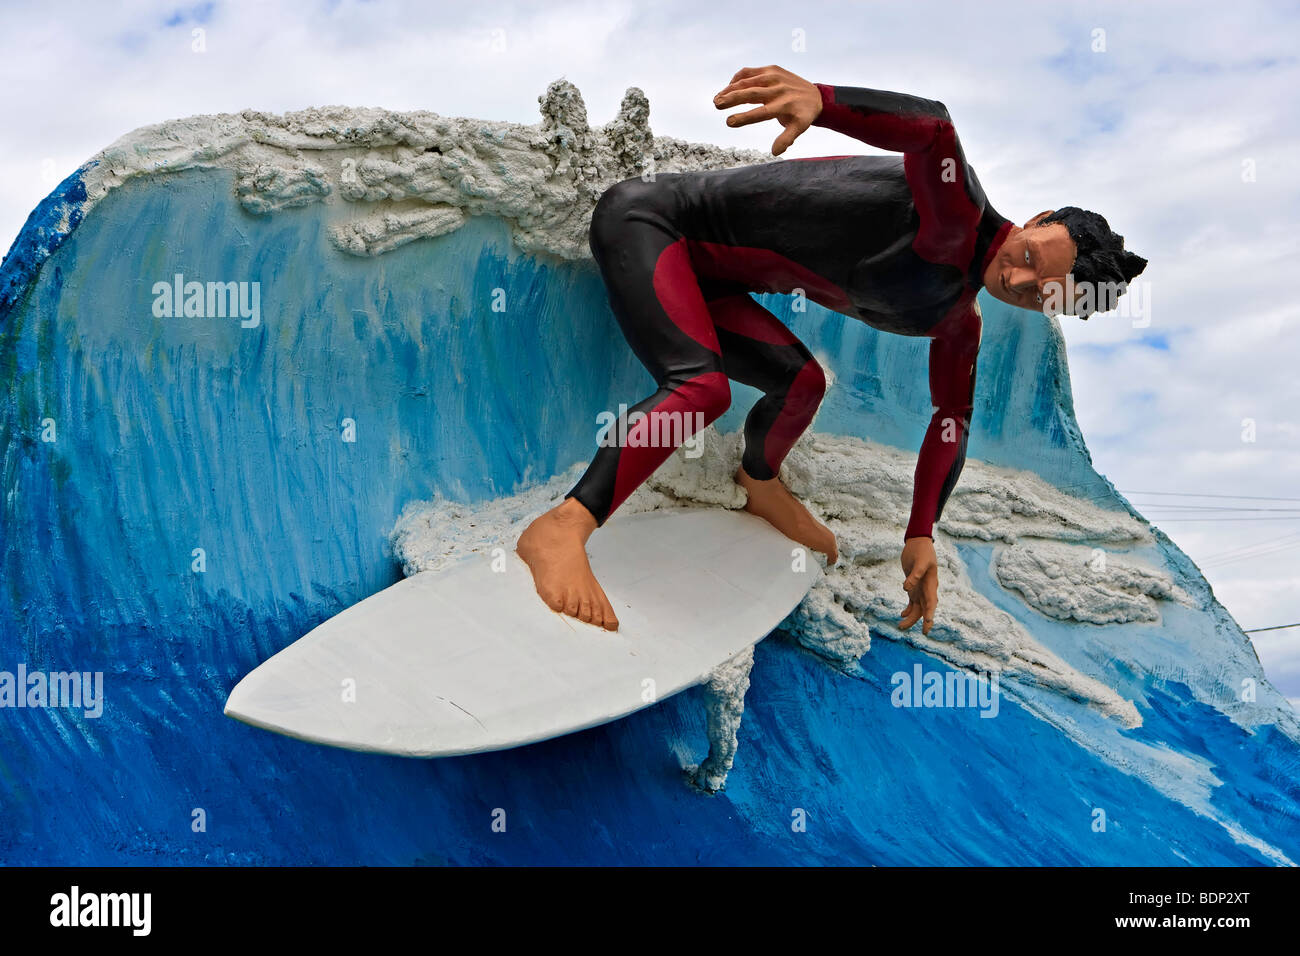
{"x": 176, "y": 434}
{"x": 48, "y": 225}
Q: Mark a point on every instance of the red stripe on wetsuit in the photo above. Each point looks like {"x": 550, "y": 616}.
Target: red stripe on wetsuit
{"x": 937, "y": 175}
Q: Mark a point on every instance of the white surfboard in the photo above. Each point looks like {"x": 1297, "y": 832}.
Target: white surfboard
{"x": 469, "y": 659}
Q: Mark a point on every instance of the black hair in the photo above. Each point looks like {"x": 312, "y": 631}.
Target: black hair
{"x": 1100, "y": 259}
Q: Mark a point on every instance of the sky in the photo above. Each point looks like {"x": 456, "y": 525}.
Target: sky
{"x": 1178, "y": 121}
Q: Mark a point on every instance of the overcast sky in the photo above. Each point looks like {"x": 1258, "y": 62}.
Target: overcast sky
{"x": 1177, "y": 121}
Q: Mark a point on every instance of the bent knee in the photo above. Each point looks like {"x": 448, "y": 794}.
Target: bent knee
{"x": 807, "y": 388}
{"x": 811, "y": 379}
{"x": 717, "y": 400}
{"x": 709, "y": 394}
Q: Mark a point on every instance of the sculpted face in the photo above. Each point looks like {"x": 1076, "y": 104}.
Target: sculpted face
{"x": 1029, "y": 260}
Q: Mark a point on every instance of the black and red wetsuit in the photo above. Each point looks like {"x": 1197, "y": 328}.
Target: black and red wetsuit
{"x": 898, "y": 242}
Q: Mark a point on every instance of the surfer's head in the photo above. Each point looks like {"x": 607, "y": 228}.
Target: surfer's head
{"x": 1066, "y": 261}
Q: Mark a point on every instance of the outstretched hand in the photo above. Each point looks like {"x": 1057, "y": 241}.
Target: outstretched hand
{"x": 922, "y": 583}
{"x": 791, "y": 100}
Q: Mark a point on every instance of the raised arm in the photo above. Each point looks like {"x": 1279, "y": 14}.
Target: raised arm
{"x": 949, "y": 200}
{"x": 943, "y": 450}
{"x": 892, "y": 121}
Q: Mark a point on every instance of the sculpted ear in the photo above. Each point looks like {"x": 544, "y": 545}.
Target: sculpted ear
{"x": 1039, "y": 218}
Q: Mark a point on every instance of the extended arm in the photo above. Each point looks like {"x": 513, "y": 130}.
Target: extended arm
{"x": 943, "y": 451}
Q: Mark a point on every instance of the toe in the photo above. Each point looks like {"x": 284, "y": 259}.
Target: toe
{"x": 607, "y": 612}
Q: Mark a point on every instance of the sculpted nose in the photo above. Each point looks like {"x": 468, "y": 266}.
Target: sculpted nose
{"x": 1022, "y": 280}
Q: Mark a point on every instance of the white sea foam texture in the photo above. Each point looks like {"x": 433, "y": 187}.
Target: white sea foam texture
{"x": 863, "y": 491}
{"x": 408, "y": 175}
{"x": 1090, "y": 585}
{"x": 724, "y": 706}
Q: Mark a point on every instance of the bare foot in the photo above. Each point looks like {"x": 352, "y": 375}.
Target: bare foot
{"x": 554, "y": 547}
{"x": 771, "y": 501}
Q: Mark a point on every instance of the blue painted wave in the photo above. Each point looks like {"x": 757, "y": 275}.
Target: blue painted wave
{"x": 176, "y": 434}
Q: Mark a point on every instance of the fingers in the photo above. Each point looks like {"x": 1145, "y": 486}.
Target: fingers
{"x": 756, "y": 115}
{"x": 754, "y": 90}
{"x": 910, "y": 616}
{"x": 757, "y": 90}
{"x": 922, "y": 587}
{"x": 769, "y": 86}
{"x": 916, "y": 609}
{"x": 930, "y": 598}
{"x": 754, "y": 71}
{"x": 734, "y": 97}
{"x": 788, "y": 136}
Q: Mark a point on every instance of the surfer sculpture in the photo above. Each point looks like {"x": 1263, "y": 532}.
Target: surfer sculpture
{"x": 903, "y": 243}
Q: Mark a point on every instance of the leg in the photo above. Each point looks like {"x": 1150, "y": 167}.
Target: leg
{"x": 758, "y": 350}
{"x": 655, "y": 295}
{"x": 656, "y": 298}
{"x": 768, "y": 227}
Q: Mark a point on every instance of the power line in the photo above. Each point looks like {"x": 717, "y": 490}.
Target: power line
{"x": 1263, "y": 553}
{"x": 1169, "y": 520}
{"x": 1241, "y": 551}
{"x": 1192, "y": 494}
{"x": 1215, "y": 508}
{"x": 1280, "y": 539}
